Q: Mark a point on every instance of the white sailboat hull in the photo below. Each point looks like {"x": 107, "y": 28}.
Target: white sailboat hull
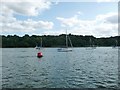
{"x": 90, "y": 48}
{"x": 64, "y": 50}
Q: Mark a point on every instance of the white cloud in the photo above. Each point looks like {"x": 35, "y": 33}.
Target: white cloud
{"x": 108, "y": 18}
{"x": 102, "y": 25}
{"x": 28, "y": 7}
{"x": 79, "y": 13}
{"x": 10, "y": 24}
{"x": 68, "y": 21}
{"x": 37, "y": 24}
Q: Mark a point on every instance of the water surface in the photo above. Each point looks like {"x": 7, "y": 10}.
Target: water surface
{"x": 81, "y": 68}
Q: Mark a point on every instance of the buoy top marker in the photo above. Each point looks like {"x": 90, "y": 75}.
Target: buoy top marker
{"x": 39, "y": 54}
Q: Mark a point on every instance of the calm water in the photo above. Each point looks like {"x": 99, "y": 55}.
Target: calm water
{"x": 81, "y": 68}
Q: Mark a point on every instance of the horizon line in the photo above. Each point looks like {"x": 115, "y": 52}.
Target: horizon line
{"x": 60, "y": 34}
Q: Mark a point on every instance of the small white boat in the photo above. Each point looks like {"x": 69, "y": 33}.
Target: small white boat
{"x": 39, "y": 46}
{"x": 64, "y": 49}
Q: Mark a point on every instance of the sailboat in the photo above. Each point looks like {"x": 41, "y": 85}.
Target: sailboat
{"x": 91, "y": 46}
{"x": 39, "y": 46}
{"x": 39, "y": 54}
{"x": 66, "y": 48}
{"x": 116, "y": 44}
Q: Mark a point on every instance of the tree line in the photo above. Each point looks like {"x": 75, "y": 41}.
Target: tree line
{"x": 14, "y": 41}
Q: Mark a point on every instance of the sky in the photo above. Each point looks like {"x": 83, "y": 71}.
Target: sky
{"x": 45, "y": 17}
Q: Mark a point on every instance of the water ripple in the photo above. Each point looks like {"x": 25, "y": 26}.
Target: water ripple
{"x": 86, "y": 69}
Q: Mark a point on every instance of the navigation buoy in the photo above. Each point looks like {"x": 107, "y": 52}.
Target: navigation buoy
{"x": 39, "y": 54}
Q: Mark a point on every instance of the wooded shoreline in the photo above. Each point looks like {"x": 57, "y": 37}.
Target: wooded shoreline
{"x": 14, "y": 41}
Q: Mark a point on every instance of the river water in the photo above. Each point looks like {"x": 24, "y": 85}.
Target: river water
{"x": 81, "y": 68}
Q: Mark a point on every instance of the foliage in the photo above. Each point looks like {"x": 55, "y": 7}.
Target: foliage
{"x": 56, "y": 41}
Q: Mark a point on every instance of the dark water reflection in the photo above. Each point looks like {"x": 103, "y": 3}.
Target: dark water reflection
{"x": 78, "y": 69}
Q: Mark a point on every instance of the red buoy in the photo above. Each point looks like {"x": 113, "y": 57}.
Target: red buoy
{"x": 39, "y": 54}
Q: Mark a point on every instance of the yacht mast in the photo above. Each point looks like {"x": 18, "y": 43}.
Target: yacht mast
{"x": 116, "y": 43}
{"x": 41, "y": 42}
{"x": 90, "y": 42}
{"x": 66, "y": 39}
{"x": 70, "y": 41}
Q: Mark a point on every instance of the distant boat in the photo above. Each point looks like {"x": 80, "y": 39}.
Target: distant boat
{"x": 66, "y": 48}
{"x": 116, "y": 45}
{"x": 39, "y": 46}
{"x": 92, "y": 46}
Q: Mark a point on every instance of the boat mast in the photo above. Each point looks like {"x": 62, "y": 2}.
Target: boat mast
{"x": 66, "y": 39}
{"x": 41, "y": 42}
{"x": 116, "y": 43}
{"x": 70, "y": 41}
{"x": 90, "y": 42}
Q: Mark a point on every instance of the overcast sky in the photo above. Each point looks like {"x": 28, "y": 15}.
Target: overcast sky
{"x": 43, "y": 17}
